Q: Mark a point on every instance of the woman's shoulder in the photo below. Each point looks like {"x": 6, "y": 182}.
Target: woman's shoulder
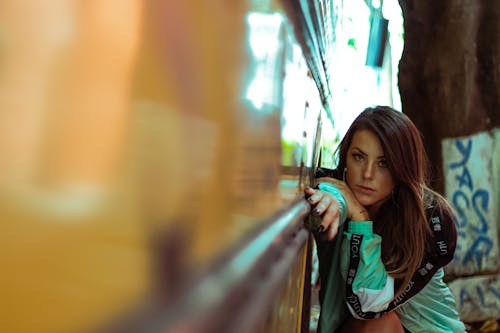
{"x": 443, "y": 230}
{"x": 436, "y": 205}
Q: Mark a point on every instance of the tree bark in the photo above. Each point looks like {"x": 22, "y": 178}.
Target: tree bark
{"x": 450, "y": 71}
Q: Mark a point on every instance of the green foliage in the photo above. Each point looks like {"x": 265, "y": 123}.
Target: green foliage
{"x": 352, "y": 43}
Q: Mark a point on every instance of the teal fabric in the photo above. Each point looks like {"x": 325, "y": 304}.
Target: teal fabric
{"x": 332, "y": 294}
{"x": 433, "y": 309}
{"x": 371, "y": 270}
{"x": 333, "y": 190}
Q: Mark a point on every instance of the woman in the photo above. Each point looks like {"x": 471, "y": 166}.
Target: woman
{"x": 397, "y": 235}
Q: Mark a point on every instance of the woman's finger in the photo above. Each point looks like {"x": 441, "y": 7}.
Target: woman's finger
{"x": 309, "y": 190}
{"x": 331, "y": 219}
{"x": 322, "y": 204}
{"x": 316, "y": 197}
{"x": 333, "y": 230}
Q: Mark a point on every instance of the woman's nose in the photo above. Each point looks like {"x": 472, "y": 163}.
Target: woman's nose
{"x": 368, "y": 170}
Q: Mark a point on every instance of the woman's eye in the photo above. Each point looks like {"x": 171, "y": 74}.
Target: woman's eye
{"x": 357, "y": 157}
{"x": 382, "y": 163}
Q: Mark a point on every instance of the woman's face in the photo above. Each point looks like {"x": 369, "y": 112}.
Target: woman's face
{"x": 367, "y": 174}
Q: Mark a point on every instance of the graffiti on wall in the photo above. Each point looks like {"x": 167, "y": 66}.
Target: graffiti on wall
{"x": 468, "y": 167}
{"x": 478, "y": 297}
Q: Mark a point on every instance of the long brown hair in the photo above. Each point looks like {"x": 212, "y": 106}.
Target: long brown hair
{"x": 402, "y": 221}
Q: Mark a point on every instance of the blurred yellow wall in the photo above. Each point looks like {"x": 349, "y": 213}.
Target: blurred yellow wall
{"x": 122, "y": 123}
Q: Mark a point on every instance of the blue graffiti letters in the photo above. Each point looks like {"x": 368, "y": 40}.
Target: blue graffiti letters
{"x": 458, "y": 197}
{"x": 479, "y": 296}
{"x": 480, "y": 248}
{"x": 471, "y": 210}
{"x": 465, "y": 179}
{"x": 485, "y": 198}
{"x": 465, "y": 151}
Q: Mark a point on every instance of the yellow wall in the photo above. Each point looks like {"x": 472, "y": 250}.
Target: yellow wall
{"x": 124, "y": 125}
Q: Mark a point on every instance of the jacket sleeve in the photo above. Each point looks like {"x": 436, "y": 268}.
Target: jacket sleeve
{"x": 369, "y": 289}
{"x": 442, "y": 249}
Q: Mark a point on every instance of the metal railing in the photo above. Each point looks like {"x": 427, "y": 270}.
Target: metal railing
{"x": 237, "y": 293}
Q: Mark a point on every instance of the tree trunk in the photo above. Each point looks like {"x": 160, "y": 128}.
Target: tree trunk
{"x": 450, "y": 70}
{"x": 449, "y": 82}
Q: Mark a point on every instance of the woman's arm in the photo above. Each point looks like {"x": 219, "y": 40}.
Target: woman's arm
{"x": 369, "y": 288}
{"x": 333, "y": 202}
{"x": 443, "y": 246}
{"x": 363, "y": 273}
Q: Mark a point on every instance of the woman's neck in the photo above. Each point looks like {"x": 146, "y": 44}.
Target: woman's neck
{"x": 374, "y": 210}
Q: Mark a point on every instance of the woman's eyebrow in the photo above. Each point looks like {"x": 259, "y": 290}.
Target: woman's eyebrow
{"x": 360, "y": 151}
{"x": 365, "y": 154}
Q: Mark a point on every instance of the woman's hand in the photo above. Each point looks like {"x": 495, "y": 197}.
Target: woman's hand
{"x": 356, "y": 212}
{"x": 324, "y": 204}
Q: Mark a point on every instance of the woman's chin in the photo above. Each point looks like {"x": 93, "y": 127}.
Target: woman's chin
{"x": 365, "y": 200}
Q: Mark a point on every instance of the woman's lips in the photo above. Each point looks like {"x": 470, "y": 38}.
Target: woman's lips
{"x": 365, "y": 189}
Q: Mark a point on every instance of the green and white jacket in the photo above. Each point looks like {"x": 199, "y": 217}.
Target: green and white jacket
{"x": 354, "y": 280}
